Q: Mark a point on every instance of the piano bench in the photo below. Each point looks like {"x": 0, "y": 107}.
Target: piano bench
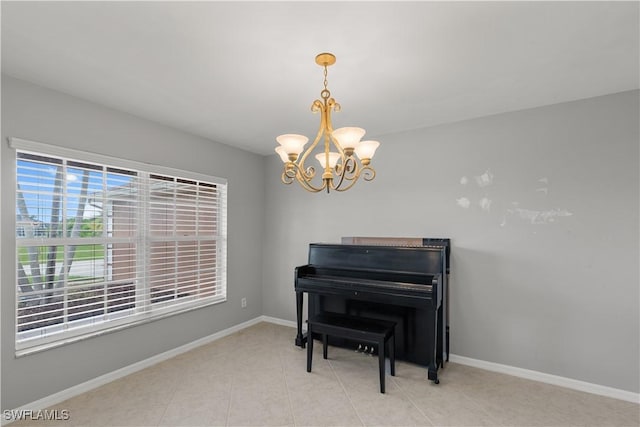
{"x": 370, "y": 331}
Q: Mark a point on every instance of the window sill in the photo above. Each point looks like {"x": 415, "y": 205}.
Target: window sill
{"x": 140, "y": 320}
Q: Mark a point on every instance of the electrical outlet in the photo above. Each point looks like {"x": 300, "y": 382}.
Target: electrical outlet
{"x": 243, "y": 302}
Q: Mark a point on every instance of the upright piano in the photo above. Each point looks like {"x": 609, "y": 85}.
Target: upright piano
{"x": 405, "y": 284}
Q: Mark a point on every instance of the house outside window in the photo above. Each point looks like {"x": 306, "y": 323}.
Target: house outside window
{"x": 105, "y": 243}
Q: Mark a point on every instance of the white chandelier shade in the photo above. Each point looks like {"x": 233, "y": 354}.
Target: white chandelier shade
{"x": 349, "y": 137}
{"x": 366, "y": 149}
{"x": 292, "y": 144}
{"x": 333, "y": 159}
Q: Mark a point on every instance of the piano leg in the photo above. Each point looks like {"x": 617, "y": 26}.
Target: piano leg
{"x": 436, "y": 360}
{"x": 447, "y": 335}
{"x": 433, "y": 373}
{"x": 300, "y": 338}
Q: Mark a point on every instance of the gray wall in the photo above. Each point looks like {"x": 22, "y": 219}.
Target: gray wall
{"x": 39, "y": 114}
{"x": 545, "y": 257}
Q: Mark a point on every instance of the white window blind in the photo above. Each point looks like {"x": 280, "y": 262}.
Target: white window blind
{"x": 105, "y": 243}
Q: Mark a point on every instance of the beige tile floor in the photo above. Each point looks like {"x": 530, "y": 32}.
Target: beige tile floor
{"x": 257, "y": 377}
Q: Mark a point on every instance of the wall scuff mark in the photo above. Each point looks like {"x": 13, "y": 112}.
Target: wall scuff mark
{"x": 539, "y": 217}
{"x": 485, "y": 179}
{"x": 544, "y": 180}
{"x": 485, "y": 204}
{"x": 463, "y": 202}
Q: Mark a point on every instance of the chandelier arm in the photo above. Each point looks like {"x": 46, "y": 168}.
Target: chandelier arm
{"x": 335, "y": 142}
{"x": 292, "y": 172}
{"x": 289, "y": 174}
{"x": 343, "y": 158}
{"x": 351, "y": 169}
{"x": 325, "y": 126}
{"x": 316, "y": 140}
{"x": 309, "y": 187}
{"x": 340, "y": 181}
{"x": 368, "y": 173}
{"x": 286, "y": 179}
{"x": 306, "y": 174}
{"x": 347, "y": 170}
{"x": 351, "y": 184}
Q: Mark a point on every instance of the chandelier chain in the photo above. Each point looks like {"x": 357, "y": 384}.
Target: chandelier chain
{"x": 325, "y": 94}
{"x": 325, "y": 78}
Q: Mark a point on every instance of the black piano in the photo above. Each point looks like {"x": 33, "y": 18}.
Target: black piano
{"x": 404, "y": 284}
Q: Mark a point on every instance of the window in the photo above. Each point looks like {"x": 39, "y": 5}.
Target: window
{"x": 103, "y": 243}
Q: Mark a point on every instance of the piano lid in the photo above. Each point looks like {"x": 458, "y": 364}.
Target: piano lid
{"x": 405, "y": 259}
{"x": 401, "y": 241}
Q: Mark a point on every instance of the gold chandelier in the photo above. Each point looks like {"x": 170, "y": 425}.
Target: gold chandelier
{"x": 342, "y": 167}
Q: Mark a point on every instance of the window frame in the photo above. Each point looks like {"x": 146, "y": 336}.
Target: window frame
{"x": 150, "y": 311}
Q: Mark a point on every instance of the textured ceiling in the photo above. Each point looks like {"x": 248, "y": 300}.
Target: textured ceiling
{"x": 242, "y": 73}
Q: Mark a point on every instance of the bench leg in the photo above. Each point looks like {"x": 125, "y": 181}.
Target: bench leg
{"x": 309, "y": 348}
{"x": 381, "y": 364}
{"x": 325, "y": 344}
{"x": 392, "y": 354}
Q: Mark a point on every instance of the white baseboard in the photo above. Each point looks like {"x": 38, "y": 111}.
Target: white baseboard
{"x": 280, "y": 322}
{"x": 548, "y": 378}
{"x": 70, "y": 392}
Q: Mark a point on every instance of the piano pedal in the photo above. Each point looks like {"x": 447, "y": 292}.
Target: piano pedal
{"x": 369, "y": 351}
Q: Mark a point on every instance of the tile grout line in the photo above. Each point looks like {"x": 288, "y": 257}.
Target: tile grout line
{"x": 345, "y": 392}
{"x": 286, "y": 386}
{"x": 226, "y": 421}
{"x": 481, "y": 407}
{"x": 166, "y": 407}
{"x": 402, "y": 390}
